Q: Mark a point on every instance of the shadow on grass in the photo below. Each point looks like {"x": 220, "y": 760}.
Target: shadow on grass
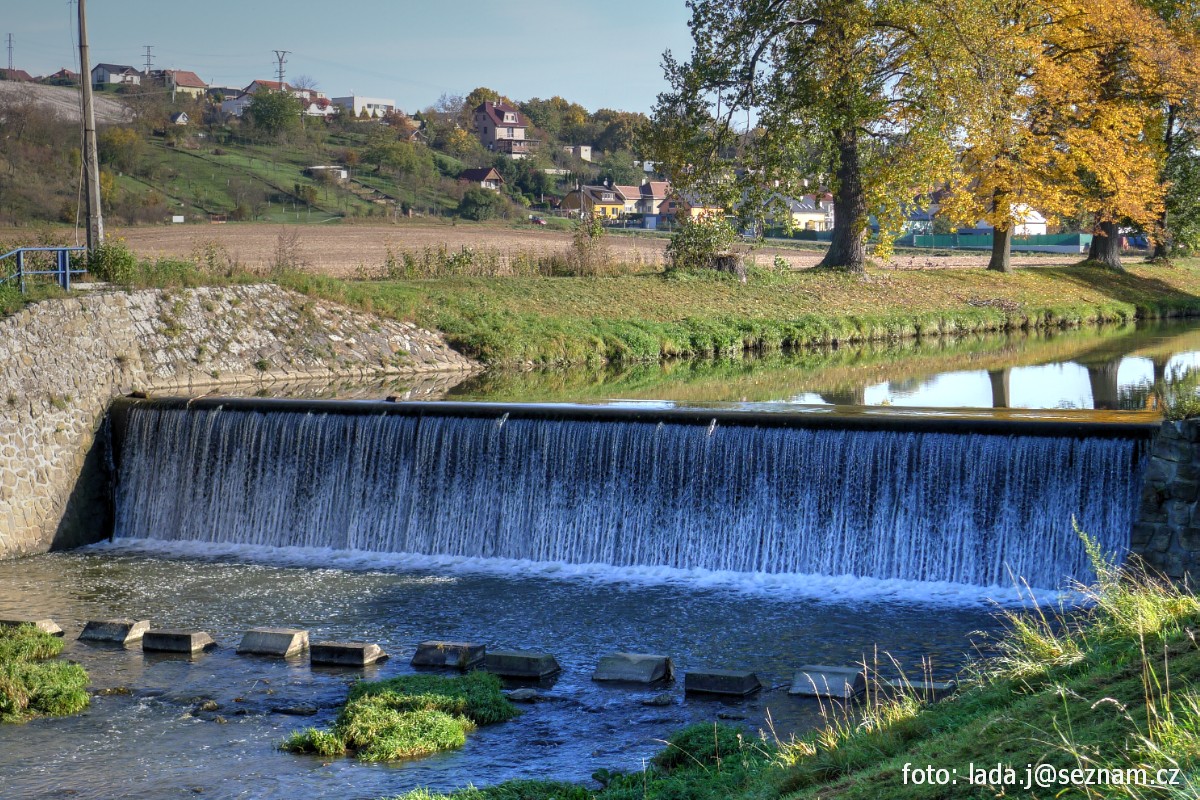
{"x": 1152, "y": 296}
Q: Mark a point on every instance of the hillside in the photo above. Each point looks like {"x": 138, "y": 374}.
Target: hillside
{"x": 63, "y": 102}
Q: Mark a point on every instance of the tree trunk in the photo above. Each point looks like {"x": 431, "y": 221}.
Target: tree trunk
{"x": 1001, "y": 260}
{"x": 1164, "y": 245}
{"x": 1106, "y": 246}
{"x": 848, "y": 249}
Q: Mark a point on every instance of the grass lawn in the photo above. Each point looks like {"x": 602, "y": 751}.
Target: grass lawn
{"x": 32, "y": 682}
{"x": 652, "y": 316}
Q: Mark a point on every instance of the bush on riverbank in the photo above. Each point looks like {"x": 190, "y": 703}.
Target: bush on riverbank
{"x": 408, "y": 717}
{"x": 31, "y": 684}
{"x": 1108, "y": 688}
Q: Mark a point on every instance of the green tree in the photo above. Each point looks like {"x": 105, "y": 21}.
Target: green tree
{"x": 845, "y": 94}
{"x": 480, "y": 204}
{"x": 120, "y": 148}
{"x": 274, "y": 114}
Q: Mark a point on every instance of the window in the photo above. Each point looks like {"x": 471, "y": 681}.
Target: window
{"x": 510, "y": 133}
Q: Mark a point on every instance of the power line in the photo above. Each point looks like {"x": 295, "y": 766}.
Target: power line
{"x": 281, "y": 57}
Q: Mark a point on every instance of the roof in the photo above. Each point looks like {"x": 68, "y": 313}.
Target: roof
{"x": 656, "y": 189}
{"x": 481, "y": 174}
{"x": 274, "y": 86}
{"x": 185, "y": 78}
{"x": 496, "y": 111}
{"x": 16, "y": 75}
{"x": 629, "y": 192}
{"x": 122, "y": 68}
{"x": 176, "y": 117}
{"x": 65, "y": 73}
{"x": 597, "y": 193}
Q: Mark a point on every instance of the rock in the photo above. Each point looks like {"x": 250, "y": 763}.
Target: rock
{"x": 664, "y": 699}
{"x": 821, "y": 681}
{"x": 521, "y": 664}
{"x": 634, "y": 668}
{"x": 116, "y": 631}
{"x": 177, "y": 641}
{"x": 345, "y": 654}
{"x": 523, "y": 695}
{"x": 44, "y": 625}
{"x": 209, "y": 705}
{"x": 298, "y": 710}
{"x": 733, "y": 683}
{"x": 456, "y": 655}
{"x": 278, "y": 642}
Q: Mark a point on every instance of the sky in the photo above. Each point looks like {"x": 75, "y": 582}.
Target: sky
{"x": 605, "y": 55}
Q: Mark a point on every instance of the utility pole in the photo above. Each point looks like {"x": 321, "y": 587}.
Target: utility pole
{"x": 281, "y": 57}
{"x": 91, "y": 159}
{"x": 10, "y": 49}
{"x": 149, "y": 59}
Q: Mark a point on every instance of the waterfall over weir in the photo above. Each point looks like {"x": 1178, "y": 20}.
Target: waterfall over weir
{"x": 929, "y": 506}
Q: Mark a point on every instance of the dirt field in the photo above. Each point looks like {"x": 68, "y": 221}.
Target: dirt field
{"x": 349, "y": 250}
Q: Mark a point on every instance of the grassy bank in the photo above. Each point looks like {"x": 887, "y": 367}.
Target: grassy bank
{"x": 407, "y": 717}
{"x": 1110, "y": 689}
{"x": 649, "y": 317}
{"x": 32, "y": 682}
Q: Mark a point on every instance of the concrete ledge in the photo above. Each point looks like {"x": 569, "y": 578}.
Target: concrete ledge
{"x": 345, "y": 654}
{"x": 820, "y": 681}
{"x": 521, "y": 664}
{"x": 456, "y": 655}
{"x": 927, "y": 690}
{"x": 634, "y": 668}
{"x": 44, "y": 625}
{"x": 278, "y": 642}
{"x": 733, "y": 683}
{"x": 177, "y": 641}
{"x": 116, "y": 631}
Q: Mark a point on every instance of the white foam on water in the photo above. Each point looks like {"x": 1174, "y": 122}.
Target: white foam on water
{"x": 834, "y": 589}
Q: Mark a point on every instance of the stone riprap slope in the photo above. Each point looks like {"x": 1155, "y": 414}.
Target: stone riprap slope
{"x": 62, "y": 362}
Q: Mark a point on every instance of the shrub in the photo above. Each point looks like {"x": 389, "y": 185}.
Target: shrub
{"x": 701, "y": 744}
{"x": 113, "y": 261}
{"x": 697, "y": 243}
{"x": 481, "y": 204}
{"x": 1183, "y": 406}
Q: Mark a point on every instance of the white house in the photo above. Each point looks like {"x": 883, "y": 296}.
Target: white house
{"x": 376, "y": 107}
{"x": 115, "y": 74}
{"x": 1029, "y": 221}
{"x": 237, "y": 105}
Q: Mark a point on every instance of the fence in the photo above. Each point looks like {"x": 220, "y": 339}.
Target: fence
{"x": 61, "y": 260}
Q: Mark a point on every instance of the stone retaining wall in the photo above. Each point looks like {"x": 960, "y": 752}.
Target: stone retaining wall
{"x": 62, "y": 362}
{"x": 1168, "y": 532}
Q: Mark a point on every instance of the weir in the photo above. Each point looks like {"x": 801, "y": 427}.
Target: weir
{"x": 941, "y": 498}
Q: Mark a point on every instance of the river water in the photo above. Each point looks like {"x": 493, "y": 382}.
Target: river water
{"x": 149, "y": 739}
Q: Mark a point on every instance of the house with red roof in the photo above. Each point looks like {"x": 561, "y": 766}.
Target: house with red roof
{"x": 183, "y": 82}
{"x": 501, "y": 128}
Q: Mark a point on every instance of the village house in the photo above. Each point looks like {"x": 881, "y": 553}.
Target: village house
{"x": 115, "y": 74}
{"x": 64, "y": 77}
{"x": 501, "y": 128}
{"x": 182, "y": 82}
{"x": 16, "y": 75}
{"x": 371, "y": 107}
{"x": 809, "y": 212}
{"x": 485, "y": 177}
{"x": 180, "y": 118}
{"x": 581, "y": 151}
{"x": 606, "y": 202}
{"x": 690, "y": 204}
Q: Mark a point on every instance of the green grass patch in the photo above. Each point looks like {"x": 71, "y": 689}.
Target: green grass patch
{"x": 651, "y": 317}
{"x": 408, "y": 717}
{"x": 32, "y": 683}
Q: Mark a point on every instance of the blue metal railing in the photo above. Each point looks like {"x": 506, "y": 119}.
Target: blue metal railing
{"x": 62, "y": 265}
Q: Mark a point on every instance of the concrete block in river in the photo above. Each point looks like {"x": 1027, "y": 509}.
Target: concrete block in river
{"x": 457, "y": 655}
{"x": 737, "y": 683}
{"x": 117, "y": 631}
{"x": 177, "y": 641}
{"x": 345, "y": 654}
{"x": 820, "y": 681}
{"x": 521, "y": 664}
{"x": 44, "y": 625}
{"x": 634, "y": 668}
{"x": 924, "y": 689}
{"x": 279, "y": 642}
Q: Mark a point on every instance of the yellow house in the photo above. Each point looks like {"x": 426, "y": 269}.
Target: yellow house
{"x": 606, "y": 202}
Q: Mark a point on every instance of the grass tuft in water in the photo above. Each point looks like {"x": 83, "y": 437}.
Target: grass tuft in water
{"x": 408, "y": 717}
{"x": 33, "y": 685}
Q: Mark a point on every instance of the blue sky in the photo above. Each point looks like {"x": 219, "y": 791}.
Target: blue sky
{"x": 602, "y": 55}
